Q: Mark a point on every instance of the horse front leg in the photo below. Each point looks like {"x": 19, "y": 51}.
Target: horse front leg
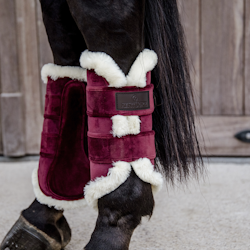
{"x": 121, "y": 165}
{"x": 41, "y": 226}
{"x": 113, "y": 27}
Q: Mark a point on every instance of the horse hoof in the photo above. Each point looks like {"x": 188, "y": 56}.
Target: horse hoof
{"x": 65, "y": 231}
{"x": 24, "y": 236}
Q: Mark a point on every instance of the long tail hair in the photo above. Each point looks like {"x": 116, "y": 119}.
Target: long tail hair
{"x": 177, "y": 148}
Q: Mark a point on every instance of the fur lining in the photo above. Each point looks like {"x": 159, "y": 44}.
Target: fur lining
{"x": 117, "y": 175}
{"x": 145, "y": 171}
{"x": 55, "y": 71}
{"x": 105, "y": 66}
{"x": 134, "y": 124}
{"x": 125, "y": 125}
{"x": 51, "y": 202}
{"x": 101, "y": 186}
{"x": 145, "y": 62}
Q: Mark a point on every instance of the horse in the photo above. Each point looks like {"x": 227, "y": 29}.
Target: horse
{"x": 124, "y": 45}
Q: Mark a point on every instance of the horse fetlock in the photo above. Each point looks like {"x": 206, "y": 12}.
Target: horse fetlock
{"x": 133, "y": 197}
{"x": 120, "y": 212}
{"x": 124, "y": 222}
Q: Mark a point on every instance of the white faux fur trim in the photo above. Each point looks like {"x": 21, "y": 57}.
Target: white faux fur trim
{"x": 55, "y": 71}
{"x": 145, "y": 171}
{"x": 105, "y": 66}
{"x": 101, "y": 186}
{"x": 51, "y": 202}
{"x": 145, "y": 62}
{"x": 125, "y": 125}
{"x": 117, "y": 175}
{"x": 134, "y": 124}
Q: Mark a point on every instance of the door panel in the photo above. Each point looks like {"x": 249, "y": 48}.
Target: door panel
{"x": 218, "y": 36}
{"x": 222, "y": 26}
{"x": 247, "y": 58}
{"x": 12, "y": 133}
{"x": 190, "y": 17}
{"x": 216, "y": 135}
{"x": 29, "y": 73}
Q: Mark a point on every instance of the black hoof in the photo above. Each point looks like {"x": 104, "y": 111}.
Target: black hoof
{"x": 65, "y": 231}
{"x": 24, "y": 236}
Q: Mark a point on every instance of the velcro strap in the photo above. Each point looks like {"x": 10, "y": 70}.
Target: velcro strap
{"x": 107, "y": 102}
{"x": 49, "y": 143}
{"x": 107, "y": 149}
{"x": 52, "y": 105}
{"x": 103, "y": 125}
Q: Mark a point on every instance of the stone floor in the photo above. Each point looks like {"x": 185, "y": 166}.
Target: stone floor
{"x": 211, "y": 215}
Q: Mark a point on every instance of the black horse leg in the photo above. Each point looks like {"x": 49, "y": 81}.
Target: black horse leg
{"x": 39, "y": 226}
{"x": 65, "y": 39}
{"x": 116, "y": 28}
{"x": 113, "y": 27}
{"x": 120, "y": 212}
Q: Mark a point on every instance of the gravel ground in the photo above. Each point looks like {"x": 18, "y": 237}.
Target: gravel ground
{"x": 211, "y": 215}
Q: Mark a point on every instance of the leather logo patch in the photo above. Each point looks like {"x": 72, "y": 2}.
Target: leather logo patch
{"x": 132, "y": 100}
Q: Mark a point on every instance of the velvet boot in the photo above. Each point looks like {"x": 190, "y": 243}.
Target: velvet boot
{"x": 63, "y": 167}
{"x": 121, "y": 147}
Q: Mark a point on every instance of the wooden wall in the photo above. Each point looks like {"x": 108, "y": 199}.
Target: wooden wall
{"x": 23, "y": 50}
{"x": 218, "y": 36}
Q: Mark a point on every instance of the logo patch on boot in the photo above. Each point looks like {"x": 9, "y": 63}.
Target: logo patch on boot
{"x": 132, "y": 100}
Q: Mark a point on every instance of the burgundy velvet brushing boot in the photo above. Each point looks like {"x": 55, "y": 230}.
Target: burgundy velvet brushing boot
{"x": 121, "y": 147}
{"x": 63, "y": 167}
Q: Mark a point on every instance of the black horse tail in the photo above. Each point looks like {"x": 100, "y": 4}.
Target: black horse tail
{"x": 177, "y": 148}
